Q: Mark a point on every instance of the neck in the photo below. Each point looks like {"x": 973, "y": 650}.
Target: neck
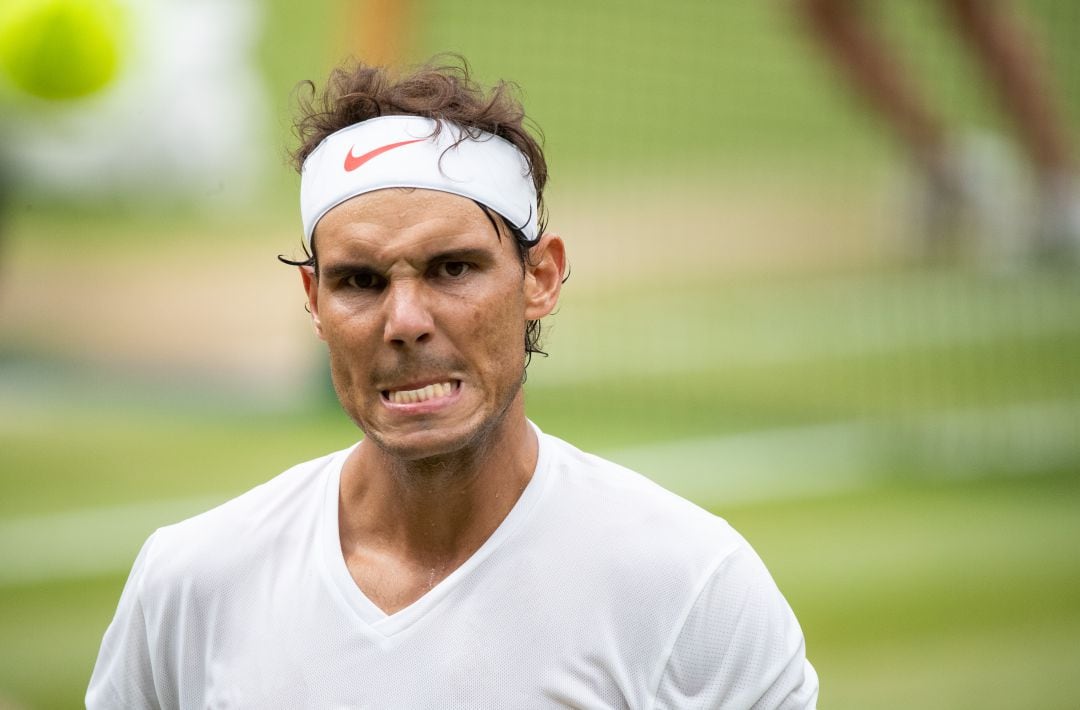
{"x": 436, "y": 512}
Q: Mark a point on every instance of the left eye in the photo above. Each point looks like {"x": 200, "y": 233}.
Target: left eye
{"x": 453, "y": 269}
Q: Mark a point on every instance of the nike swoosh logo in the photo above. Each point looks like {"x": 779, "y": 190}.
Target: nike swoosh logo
{"x": 352, "y": 162}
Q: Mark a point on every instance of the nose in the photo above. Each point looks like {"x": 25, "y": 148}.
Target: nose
{"x": 408, "y": 319}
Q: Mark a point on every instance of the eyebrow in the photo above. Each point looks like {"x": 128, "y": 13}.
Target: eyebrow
{"x": 348, "y": 268}
{"x": 343, "y": 269}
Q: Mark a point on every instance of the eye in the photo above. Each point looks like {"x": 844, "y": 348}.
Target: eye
{"x": 363, "y": 280}
{"x": 452, "y": 269}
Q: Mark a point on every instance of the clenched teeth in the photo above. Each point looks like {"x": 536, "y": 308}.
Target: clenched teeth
{"x": 439, "y": 389}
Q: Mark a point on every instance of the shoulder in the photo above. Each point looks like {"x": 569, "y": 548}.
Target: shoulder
{"x": 223, "y": 540}
{"x": 198, "y": 584}
{"x": 612, "y": 499}
{"x": 677, "y": 581}
{"x": 627, "y": 530}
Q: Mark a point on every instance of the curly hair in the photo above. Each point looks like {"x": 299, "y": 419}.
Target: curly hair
{"x": 443, "y": 91}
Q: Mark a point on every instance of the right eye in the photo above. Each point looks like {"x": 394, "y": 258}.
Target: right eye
{"x": 364, "y": 281}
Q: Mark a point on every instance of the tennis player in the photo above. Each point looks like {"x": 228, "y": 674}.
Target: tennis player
{"x": 457, "y": 557}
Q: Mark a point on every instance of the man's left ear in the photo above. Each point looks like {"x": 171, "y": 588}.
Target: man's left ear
{"x": 545, "y": 265}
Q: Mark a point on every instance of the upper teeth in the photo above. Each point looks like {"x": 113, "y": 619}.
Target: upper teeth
{"x": 439, "y": 389}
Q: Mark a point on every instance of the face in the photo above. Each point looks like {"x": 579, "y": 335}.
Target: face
{"x": 423, "y": 308}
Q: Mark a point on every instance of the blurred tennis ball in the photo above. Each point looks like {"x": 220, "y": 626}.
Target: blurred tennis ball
{"x": 60, "y": 49}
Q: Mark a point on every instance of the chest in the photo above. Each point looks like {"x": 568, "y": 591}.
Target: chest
{"x": 462, "y": 662}
{"x": 505, "y": 646}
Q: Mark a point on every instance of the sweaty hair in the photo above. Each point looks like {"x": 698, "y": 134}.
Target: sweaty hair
{"x": 440, "y": 91}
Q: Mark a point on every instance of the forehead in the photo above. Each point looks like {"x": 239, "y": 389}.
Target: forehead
{"x": 385, "y": 223}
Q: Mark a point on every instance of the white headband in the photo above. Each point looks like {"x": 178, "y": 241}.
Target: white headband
{"x": 483, "y": 167}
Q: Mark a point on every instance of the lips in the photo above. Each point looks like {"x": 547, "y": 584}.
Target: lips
{"x": 410, "y": 394}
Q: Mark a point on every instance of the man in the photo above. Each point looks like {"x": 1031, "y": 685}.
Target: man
{"x": 457, "y": 557}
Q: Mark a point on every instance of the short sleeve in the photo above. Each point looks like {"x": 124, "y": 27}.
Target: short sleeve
{"x": 740, "y": 646}
{"x": 122, "y": 675}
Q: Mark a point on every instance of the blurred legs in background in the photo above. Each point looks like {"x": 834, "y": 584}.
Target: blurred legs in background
{"x": 960, "y": 175}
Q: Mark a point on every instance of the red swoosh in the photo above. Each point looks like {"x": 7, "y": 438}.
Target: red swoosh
{"x": 352, "y": 162}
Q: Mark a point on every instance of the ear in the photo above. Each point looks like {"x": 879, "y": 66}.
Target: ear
{"x": 311, "y": 288}
{"x": 544, "y": 269}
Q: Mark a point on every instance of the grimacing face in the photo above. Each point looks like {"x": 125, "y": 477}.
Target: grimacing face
{"x": 423, "y": 308}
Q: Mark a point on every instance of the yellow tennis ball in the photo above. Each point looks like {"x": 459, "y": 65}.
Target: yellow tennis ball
{"x": 60, "y": 49}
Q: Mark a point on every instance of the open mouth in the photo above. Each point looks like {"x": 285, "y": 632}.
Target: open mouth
{"x": 436, "y": 390}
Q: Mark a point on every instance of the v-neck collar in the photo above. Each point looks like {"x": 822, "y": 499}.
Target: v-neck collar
{"x": 371, "y": 618}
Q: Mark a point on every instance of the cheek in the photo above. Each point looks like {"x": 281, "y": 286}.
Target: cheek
{"x": 346, "y": 327}
{"x": 499, "y": 329}
{"x": 340, "y": 376}
{"x": 348, "y": 342}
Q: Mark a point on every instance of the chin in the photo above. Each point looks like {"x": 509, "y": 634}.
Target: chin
{"x": 423, "y": 444}
{"x": 437, "y": 437}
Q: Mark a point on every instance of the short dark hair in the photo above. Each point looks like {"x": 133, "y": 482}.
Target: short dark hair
{"x": 440, "y": 89}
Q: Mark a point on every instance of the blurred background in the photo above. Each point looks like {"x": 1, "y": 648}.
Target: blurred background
{"x": 824, "y": 283}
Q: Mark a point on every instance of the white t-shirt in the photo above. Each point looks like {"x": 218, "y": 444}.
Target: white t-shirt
{"x": 599, "y": 590}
